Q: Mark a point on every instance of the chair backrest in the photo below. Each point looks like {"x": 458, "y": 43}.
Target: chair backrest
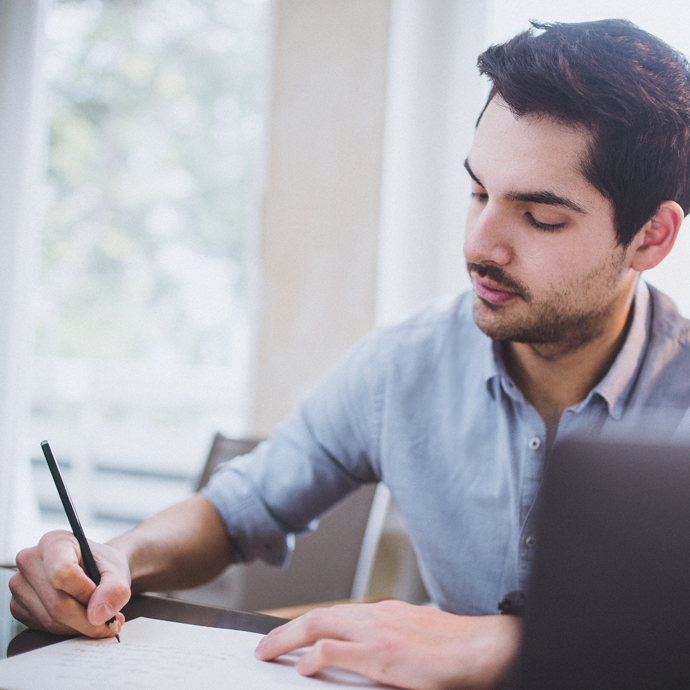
{"x": 324, "y": 563}
{"x": 223, "y": 449}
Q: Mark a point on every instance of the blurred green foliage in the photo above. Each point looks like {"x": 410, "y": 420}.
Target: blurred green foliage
{"x": 156, "y": 110}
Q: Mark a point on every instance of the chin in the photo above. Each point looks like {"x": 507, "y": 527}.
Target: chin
{"x": 549, "y": 327}
{"x": 492, "y": 320}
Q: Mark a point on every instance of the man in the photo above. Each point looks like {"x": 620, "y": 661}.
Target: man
{"x": 580, "y": 174}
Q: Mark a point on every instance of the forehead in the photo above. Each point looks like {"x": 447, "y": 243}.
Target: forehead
{"x": 528, "y": 154}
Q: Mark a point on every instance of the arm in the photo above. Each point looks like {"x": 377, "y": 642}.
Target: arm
{"x": 402, "y": 645}
{"x": 178, "y": 548}
{"x": 182, "y": 546}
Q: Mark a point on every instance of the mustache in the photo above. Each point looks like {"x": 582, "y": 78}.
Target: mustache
{"x": 500, "y": 277}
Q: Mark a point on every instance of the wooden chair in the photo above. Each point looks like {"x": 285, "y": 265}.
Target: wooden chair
{"x": 331, "y": 564}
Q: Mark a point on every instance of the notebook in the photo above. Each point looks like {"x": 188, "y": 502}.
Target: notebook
{"x": 608, "y": 604}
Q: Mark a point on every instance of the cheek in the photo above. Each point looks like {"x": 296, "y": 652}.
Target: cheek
{"x": 554, "y": 270}
{"x": 583, "y": 270}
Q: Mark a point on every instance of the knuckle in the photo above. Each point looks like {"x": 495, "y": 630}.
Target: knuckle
{"x": 388, "y": 606}
{"x": 21, "y": 614}
{"x": 46, "y": 540}
{"x": 121, "y": 592}
{"x": 24, "y": 558}
{"x": 60, "y": 577}
{"x": 312, "y": 621}
{"x": 15, "y": 609}
{"x": 323, "y": 651}
{"x": 55, "y": 608}
{"x": 55, "y": 535}
{"x": 16, "y": 584}
{"x": 383, "y": 647}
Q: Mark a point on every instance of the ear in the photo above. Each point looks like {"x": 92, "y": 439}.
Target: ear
{"x": 657, "y": 236}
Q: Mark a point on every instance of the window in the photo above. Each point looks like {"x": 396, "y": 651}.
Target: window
{"x": 143, "y": 331}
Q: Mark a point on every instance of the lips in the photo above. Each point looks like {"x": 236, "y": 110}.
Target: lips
{"x": 491, "y": 292}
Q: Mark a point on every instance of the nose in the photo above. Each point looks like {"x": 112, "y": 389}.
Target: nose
{"x": 487, "y": 235}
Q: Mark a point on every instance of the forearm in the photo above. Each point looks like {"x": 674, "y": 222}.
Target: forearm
{"x": 180, "y": 547}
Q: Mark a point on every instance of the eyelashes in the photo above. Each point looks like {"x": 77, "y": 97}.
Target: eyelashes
{"x": 546, "y": 227}
{"x": 480, "y": 196}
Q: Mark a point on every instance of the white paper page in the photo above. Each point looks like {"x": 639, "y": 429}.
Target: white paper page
{"x": 160, "y": 654}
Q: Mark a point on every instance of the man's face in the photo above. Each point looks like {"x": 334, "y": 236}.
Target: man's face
{"x": 540, "y": 243}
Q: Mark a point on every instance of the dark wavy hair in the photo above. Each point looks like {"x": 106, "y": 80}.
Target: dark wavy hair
{"x": 628, "y": 88}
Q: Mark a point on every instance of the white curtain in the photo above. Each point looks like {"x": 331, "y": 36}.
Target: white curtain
{"x": 21, "y": 167}
{"x": 435, "y": 95}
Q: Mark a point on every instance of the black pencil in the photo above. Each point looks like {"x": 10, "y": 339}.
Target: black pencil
{"x": 86, "y": 555}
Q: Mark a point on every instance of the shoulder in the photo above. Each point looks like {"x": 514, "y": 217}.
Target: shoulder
{"x": 441, "y": 334}
{"x": 668, "y": 326}
{"x": 663, "y": 380}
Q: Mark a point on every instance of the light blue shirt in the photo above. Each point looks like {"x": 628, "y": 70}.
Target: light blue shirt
{"x": 427, "y": 407}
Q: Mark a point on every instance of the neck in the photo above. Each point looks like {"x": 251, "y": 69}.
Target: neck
{"x": 555, "y": 376}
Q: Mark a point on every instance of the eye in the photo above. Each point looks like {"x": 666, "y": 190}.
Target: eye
{"x": 546, "y": 227}
{"x": 479, "y": 196}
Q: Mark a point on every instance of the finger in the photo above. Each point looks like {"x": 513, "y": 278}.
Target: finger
{"x": 65, "y": 573}
{"x": 326, "y": 653}
{"x": 54, "y": 589}
{"x": 23, "y": 615}
{"x": 62, "y": 569}
{"x": 56, "y": 612}
{"x": 336, "y": 623}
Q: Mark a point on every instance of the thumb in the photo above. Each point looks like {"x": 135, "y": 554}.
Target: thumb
{"x": 112, "y": 593}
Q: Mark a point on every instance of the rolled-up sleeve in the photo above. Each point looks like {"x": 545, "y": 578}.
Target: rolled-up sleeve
{"x": 324, "y": 450}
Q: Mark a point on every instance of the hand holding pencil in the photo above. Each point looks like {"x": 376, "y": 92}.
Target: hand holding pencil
{"x": 55, "y": 591}
{"x": 52, "y": 591}
{"x": 77, "y": 530}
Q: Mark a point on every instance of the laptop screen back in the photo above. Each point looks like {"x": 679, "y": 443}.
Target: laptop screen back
{"x": 609, "y": 599}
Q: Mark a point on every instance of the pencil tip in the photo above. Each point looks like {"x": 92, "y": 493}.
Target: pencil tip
{"x": 114, "y": 627}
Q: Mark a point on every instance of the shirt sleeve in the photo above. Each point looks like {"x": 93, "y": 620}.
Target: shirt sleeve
{"x": 324, "y": 450}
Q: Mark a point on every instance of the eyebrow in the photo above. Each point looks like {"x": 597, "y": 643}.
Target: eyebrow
{"x": 543, "y": 197}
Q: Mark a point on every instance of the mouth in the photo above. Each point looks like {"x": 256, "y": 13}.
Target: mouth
{"x": 491, "y": 291}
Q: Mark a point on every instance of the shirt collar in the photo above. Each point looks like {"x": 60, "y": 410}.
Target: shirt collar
{"x": 614, "y": 387}
{"x": 495, "y": 373}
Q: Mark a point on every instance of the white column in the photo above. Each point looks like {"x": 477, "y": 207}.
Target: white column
{"x": 322, "y": 201}
{"x": 21, "y": 162}
{"x": 435, "y": 95}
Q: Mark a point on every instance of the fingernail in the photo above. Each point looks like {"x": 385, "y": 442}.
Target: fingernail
{"x": 103, "y": 613}
{"x": 260, "y": 646}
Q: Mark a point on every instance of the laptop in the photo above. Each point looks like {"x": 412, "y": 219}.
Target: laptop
{"x": 608, "y": 605}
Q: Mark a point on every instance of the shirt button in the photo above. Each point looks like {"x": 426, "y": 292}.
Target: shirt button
{"x": 534, "y": 443}
{"x": 530, "y": 541}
